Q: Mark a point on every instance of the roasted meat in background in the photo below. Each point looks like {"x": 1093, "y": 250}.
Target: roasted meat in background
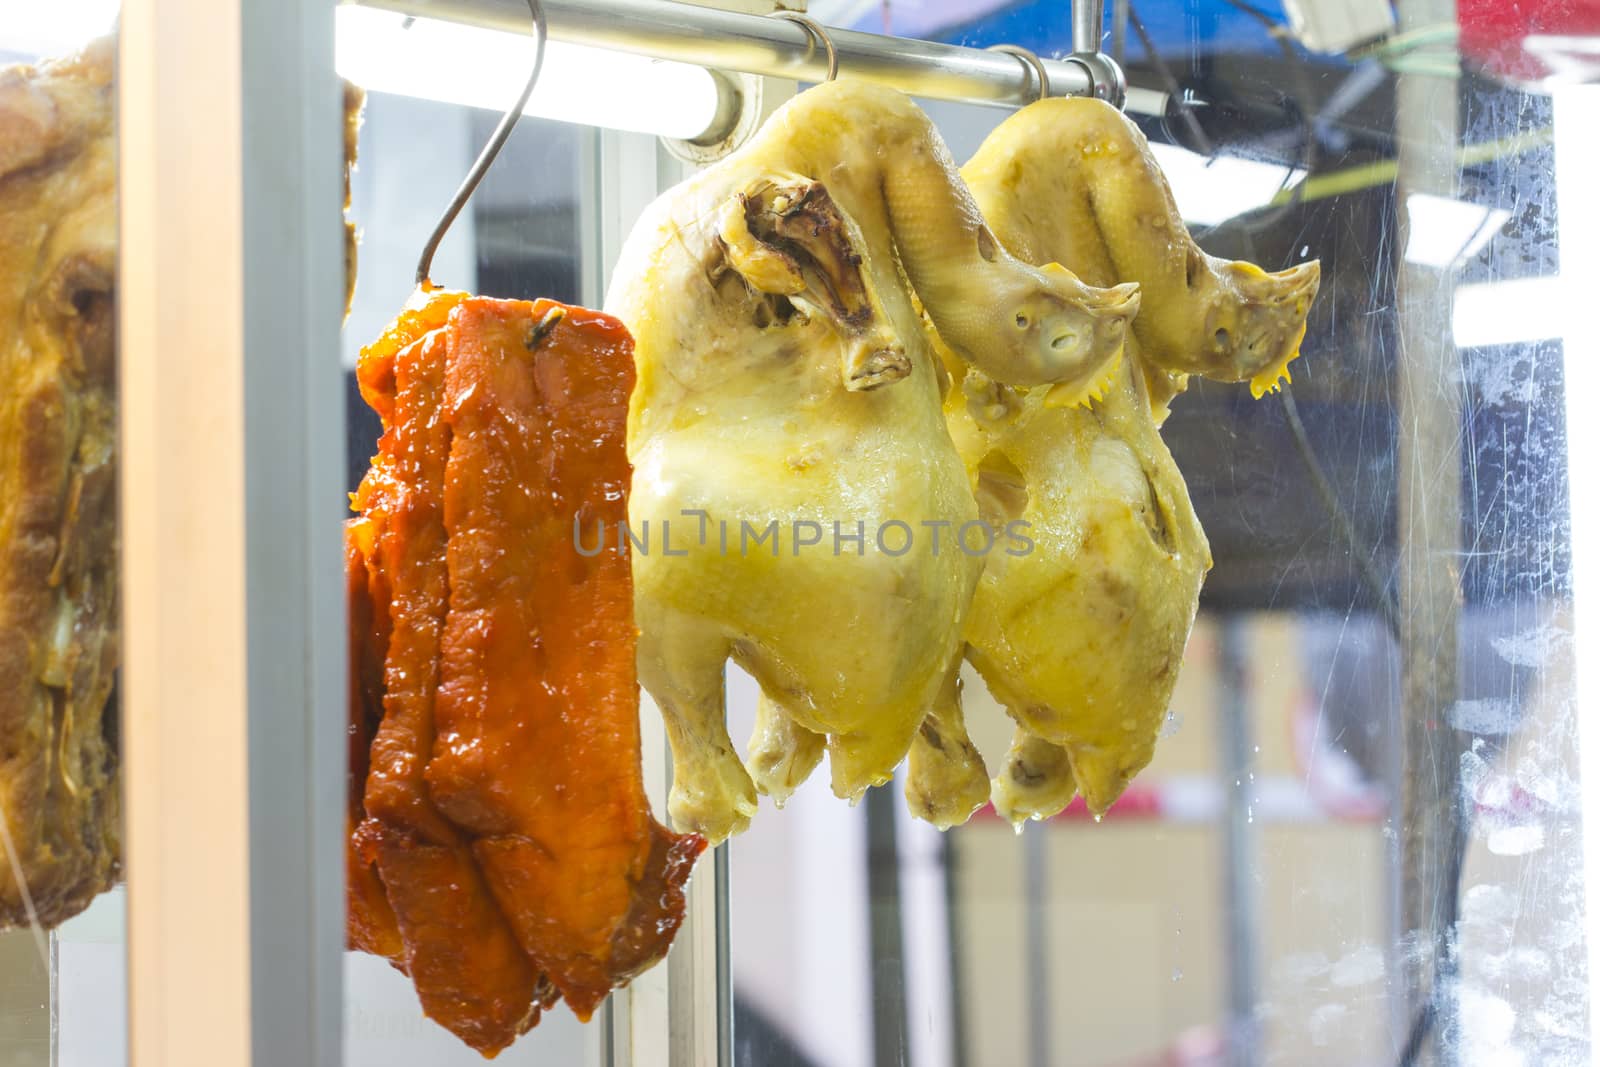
{"x": 355, "y": 99}
{"x": 503, "y": 850}
{"x": 59, "y": 784}
{"x": 59, "y": 643}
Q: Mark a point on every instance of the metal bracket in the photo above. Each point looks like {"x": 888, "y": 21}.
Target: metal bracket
{"x": 1106, "y": 80}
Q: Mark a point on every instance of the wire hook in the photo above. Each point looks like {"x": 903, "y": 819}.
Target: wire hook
{"x": 486, "y": 158}
{"x": 818, "y": 35}
{"x": 1032, "y": 62}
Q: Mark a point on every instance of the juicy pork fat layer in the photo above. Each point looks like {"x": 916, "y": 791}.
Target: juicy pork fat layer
{"x": 503, "y": 851}
{"x": 59, "y": 793}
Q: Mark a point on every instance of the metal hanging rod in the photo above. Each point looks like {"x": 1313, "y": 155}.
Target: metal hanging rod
{"x": 778, "y": 48}
{"x": 1088, "y": 17}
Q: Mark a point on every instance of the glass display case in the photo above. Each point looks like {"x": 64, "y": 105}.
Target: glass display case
{"x": 1363, "y": 837}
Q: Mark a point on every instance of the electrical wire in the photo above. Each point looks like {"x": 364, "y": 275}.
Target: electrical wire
{"x": 1174, "y": 90}
{"x": 1376, "y": 587}
{"x": 1280, "y": 204}
{"x": 1418, "y": 51}
{"x": 1385, "y": 171}
{"x": 1255, "y": 223}
{"x": 1256, "y": 13}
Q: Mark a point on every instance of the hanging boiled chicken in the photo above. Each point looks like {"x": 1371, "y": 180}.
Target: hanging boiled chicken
{"x": 1081, "y": 638}
{"x": 797, "y": 499}
{"x": 503, "y": 853}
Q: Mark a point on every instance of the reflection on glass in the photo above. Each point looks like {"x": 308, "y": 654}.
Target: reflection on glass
{"x": 1246, "y": 900}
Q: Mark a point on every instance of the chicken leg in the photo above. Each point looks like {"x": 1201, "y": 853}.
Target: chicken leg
{"x": 781, "y": 753}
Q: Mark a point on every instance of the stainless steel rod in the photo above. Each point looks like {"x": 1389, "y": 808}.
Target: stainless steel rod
{"x": 1088, "y": 20}
{"x": 769, "y": 47}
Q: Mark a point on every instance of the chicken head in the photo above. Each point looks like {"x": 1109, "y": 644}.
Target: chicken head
{"x": 1073, "y": 181}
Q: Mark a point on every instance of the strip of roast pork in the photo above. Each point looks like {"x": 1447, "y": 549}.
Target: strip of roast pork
{"x": 537, "y": 752}
{"x": 471, "y": 975}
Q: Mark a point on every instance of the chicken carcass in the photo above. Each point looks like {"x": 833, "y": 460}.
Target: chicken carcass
{"x": 1081, "y": 639}
{"x": 796, "y": 494}
{"x": 59, "y": 648}
{"x": 504, "y": 851}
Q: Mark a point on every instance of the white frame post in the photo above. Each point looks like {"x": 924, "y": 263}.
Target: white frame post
{"x": 231, "y": 283}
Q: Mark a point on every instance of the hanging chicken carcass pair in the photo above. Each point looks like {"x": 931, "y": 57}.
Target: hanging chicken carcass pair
{"x": 876, "y": 426}
{"x": 948, "y": 437}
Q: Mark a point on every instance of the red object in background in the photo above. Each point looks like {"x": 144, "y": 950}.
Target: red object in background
{"x": 1495, "y": 36}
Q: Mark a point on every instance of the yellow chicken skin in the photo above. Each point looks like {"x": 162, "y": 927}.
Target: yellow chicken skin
{"x": 1081, "y": 639}
{"x": 1075, "y": 178}
{"x": 785, "y": 384}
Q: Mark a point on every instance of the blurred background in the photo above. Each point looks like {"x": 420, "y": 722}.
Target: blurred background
{"x": 1241, "y": 904}
{"x": 1245, "y": 902}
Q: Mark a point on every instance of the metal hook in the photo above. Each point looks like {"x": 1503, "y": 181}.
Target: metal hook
{"x": 817, "y": 33}
{"x": 486, "y": 158}
{"x": 1032, "y": 62}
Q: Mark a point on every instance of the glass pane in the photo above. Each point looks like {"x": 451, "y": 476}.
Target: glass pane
{"x": 1362, "y": 828}
{"x": 519, "y": 238}
{"x": 62, "y": 955}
